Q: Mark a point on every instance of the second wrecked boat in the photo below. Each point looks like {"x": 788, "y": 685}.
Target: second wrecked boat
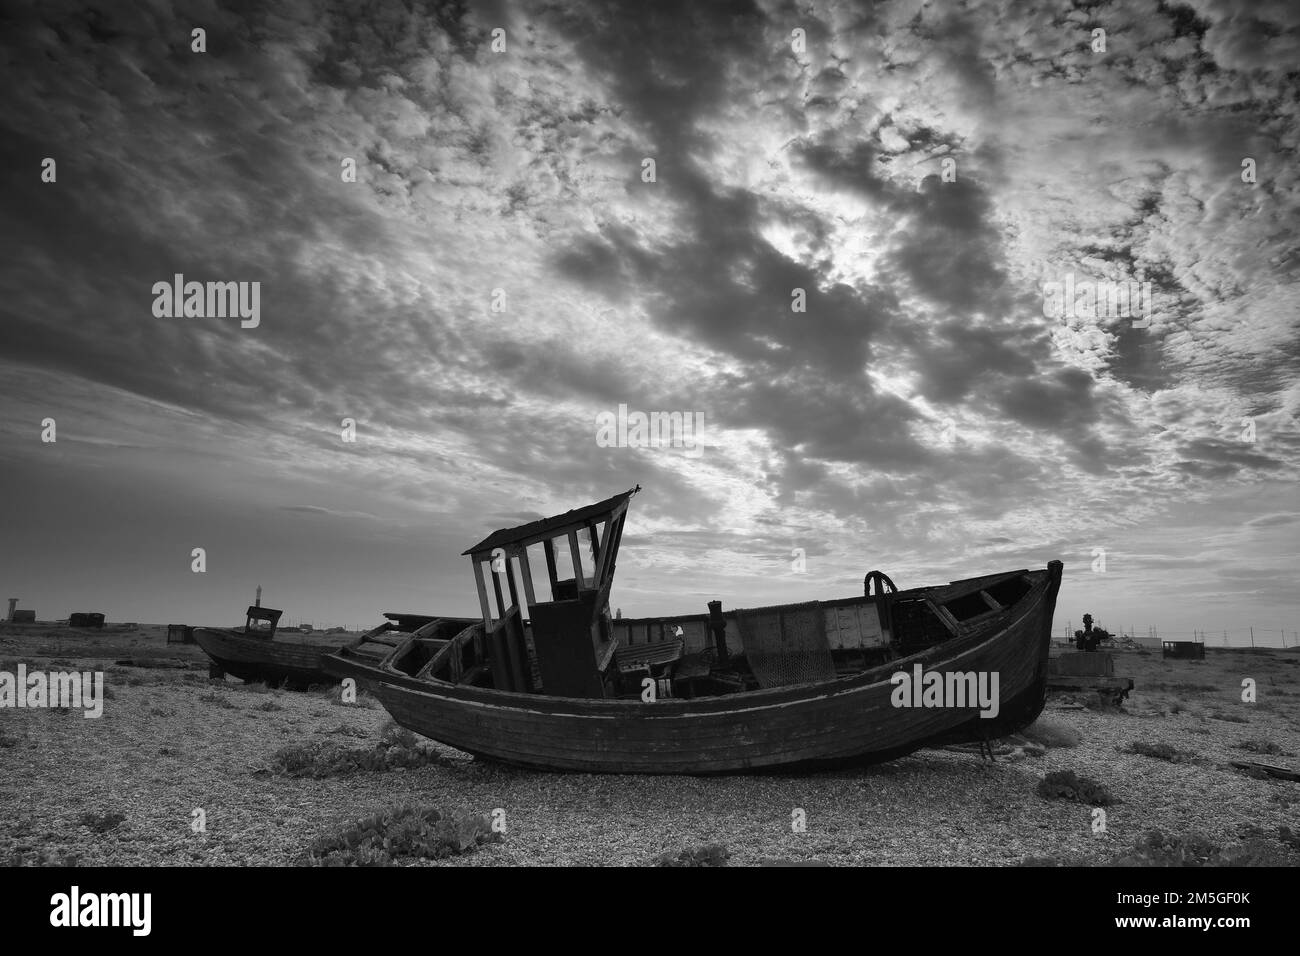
{"x": 254, "y": 654}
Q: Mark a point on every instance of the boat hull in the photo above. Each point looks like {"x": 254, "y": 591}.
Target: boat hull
{"x": 250, "y": 658}
{"x": 844, "y": 722}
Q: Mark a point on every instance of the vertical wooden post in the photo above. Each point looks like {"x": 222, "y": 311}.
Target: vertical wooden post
{"x": 527, "y": 572}
{"x": 595, "y": 551}
{"x": 613, "y": 534}
{"x": 510, "y": 581}
{"x": 496, "y": 588}
{"x": 482, "y": 594}
{"x": 576, "y": 553}
{"x": 549, "y": 547}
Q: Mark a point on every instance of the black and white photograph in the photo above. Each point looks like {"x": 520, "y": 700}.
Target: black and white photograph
{"x": 614, "y": 433}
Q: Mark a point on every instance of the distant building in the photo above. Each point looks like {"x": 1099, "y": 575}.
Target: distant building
{"x": 180, "y": 634}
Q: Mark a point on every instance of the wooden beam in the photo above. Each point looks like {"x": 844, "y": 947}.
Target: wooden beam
{"x": 527, "y": 572}
{"x": 482, "y": 594}
{"x": 944, "y": 615}
{"x": 499, "y": 658}
{"x": 496, "y": 587}
{"x": 549, "y": 547}
{"x": 613, "y": 535}
{"x": 510, "y": 581}
{"x": 425, "y": 630}
{"x": 595, "y": 548}
{"x": 560, "y": 530}
{"x": 576, "y": 553}
{"x": 518, "y": 654}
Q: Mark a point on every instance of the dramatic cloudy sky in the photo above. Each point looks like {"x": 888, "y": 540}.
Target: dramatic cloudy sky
{"x": 922, "y": 416}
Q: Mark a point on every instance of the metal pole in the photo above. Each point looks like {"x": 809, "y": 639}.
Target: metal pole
{"x": 1252, "y": 638}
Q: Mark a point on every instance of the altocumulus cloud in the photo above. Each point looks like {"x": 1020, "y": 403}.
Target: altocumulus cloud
{"x": 921, "y": 402}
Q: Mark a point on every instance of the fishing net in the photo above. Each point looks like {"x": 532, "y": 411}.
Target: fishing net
{"x": 786, "y": 646}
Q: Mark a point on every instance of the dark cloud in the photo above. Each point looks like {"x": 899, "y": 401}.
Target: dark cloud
{"x": 777, "y": 170}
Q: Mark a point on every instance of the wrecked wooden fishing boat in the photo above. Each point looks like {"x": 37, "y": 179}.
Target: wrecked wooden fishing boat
{"x": 253, "y": 653}
{"x": 547, "y": 679}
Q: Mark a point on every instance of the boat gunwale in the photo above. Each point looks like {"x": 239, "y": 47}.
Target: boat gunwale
{"x": 251, "y": 640}
{"x": 255, "y": 659}
{"x": 960, "y": 644}
{"x": 931, "y": 591}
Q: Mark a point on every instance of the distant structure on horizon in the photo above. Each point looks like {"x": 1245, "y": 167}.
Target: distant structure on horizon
{"x": 18, "y": 616}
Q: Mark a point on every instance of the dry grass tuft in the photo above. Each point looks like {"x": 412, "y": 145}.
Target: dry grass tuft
{"x": 1066, "y": 785}
{"x": 710, "y": 854}
{"x": 397, "y": 748}
{"x": 218, "y": 698}
{"x": 410, "y": 831}
{"x": 1258, "y": 745}
{"x": 1158, "y": 751}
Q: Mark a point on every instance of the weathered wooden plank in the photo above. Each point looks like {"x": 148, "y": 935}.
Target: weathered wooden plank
{"x": 517, "y": 650}
{"x": 576, "y": 554}
{"x": 510, "y": 580}
{"x": 482, "y": 594}
{"x": 527, "y": 573}
{"x": 548, "y": 548}
{"x": 496, "y": 591}
{"x": 593, "y": 540}
{"x": 499, "y": 658}
{"x": 1282, "y": 773}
